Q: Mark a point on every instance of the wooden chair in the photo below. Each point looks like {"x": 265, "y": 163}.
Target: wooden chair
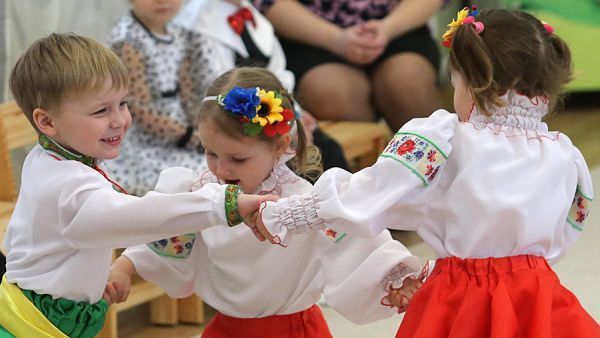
{"x": 16, "y": 132}
{"x": 362, "y": 142}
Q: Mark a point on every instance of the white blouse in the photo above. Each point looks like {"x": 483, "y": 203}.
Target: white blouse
{"x": 493, "y": 186}
{"x": 68, "y": 218}
{"x": 241, "y": 277}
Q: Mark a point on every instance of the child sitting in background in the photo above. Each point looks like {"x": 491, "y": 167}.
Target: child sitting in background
{"x": 169, "y": 69}
{"x": 496, "y": 195}
{"x": 69, "y": 214}
{"x": 226, "y": 267}
{"x": 239, "y": 35}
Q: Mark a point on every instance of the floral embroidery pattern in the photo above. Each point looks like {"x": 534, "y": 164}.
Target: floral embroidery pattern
{"x": 333, "y": 235}
{"x": 175, "y": 247}
{"x": 579, "y": 211}
{"x": 417, "y": 153}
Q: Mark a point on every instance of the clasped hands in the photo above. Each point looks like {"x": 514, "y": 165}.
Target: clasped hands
{"x": 363, "y": 43}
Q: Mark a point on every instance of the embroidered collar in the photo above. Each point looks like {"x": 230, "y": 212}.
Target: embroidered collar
{"x": 50, "y": 145}
{"x": 519, "y": 111}
{"x": 271, "y": 185}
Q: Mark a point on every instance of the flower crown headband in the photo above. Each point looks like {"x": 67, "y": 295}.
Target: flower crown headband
{"x": 258, "y": 110}
{"x": 465, "y": 16}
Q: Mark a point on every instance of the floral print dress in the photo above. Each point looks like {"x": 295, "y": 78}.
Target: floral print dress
{"x": 167, "y": 75}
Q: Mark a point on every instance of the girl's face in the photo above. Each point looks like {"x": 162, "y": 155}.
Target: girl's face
{"x": 93, "y": 123}
{"x": 155, "y": 13}
{"x": 246, "y": 162}
{"x": 463, "y": 99}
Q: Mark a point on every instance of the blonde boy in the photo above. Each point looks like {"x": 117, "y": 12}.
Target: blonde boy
{"x": 70, "y": 214}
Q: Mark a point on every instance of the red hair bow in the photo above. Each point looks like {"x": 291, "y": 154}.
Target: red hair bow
{"x": 238, "y": 20}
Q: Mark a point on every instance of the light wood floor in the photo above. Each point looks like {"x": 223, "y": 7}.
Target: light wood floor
{"x": 580, "y": 121}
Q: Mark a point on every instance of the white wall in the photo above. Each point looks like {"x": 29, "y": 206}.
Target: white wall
{"x": 23, "y": 21}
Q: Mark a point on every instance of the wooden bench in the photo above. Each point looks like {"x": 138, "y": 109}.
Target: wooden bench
{"x": 15, "y": 133}
{"x": 362, "y": 142}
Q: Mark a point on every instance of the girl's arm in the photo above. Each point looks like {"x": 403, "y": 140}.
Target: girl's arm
{"x": 141, "y": 103}
{"x": 389, "y": 194}
{"x": 580, "y": 208}
{"x": 359, "y": 274}
{"x": 292, "y": 20}
{"x": 119, "y": 281}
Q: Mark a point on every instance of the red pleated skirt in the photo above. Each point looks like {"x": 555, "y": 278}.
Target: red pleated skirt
{"x": 309, "y": 323}
{"x": 505, "y": 297}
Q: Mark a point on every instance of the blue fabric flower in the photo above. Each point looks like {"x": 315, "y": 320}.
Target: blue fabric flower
{"x": 242, "y": 101}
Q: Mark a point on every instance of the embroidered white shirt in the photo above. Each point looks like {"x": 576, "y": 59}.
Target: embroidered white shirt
{"x": 68, "y": 217}
{"x": 502, "y": 185}
{"x": 239, "y": 276}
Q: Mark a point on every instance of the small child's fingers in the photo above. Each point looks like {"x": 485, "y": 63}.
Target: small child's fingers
{"x": 106, "y": 297}
{"x": 257, "y": 234}
{"x": 111, "y": 293}
{"x": 121, "y": 292}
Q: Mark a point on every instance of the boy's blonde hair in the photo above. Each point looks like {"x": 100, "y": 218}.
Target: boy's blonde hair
{"x": 60, "y": 66}
{"x": 307, "y": 162}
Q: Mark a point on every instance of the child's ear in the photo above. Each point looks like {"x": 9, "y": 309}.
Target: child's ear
{"x": 44, "y": 122}
{"x": 283, "y": 144}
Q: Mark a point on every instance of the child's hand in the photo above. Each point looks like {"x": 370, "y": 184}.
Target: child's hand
{"x": 402, "y": 296}
{"x": 119, "y": 281}
{"x": 248, "y": 206}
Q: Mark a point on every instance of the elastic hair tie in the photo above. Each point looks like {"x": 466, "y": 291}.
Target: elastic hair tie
{"x": 465, "y": 16}
{"x": 548, "y": 27}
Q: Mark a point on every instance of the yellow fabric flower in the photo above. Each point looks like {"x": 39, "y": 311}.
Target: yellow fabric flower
{"x": 269, "y": 110}
{"x": 453, "y": 26}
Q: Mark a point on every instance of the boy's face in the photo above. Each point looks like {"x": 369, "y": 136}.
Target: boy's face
{"x": 246, "y": 162}
{"x": 155, "y": 13}
{"x": 92, "y": 124}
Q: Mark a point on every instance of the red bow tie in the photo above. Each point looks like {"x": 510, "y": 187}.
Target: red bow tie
{"x": 238, "y": 19}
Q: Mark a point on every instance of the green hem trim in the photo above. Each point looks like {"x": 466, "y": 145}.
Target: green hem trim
{"x": 5, "y": 334}
{"x": 574, "y": 225}
{"x": 578, "y": 191}
{"x": 163, "y": 254}
{"x": 407, "y": 166}
{"x": 340, "y": 238}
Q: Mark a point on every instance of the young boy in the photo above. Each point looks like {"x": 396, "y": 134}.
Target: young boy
{"x": 70, "y": 214}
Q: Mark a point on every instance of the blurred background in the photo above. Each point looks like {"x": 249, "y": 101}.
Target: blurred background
{"x": 577, "y": 21}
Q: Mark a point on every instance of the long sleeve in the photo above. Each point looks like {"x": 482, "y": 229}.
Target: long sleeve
{"x": 355, "y": 270}
{"x": 377, "y": 197}
{"x": 580, "y": 208}
{"x": 175, "y": 275}
{"x": 92, "y": 214}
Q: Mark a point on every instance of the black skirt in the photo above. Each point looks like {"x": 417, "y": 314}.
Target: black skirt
{"x": 301, "y": 57}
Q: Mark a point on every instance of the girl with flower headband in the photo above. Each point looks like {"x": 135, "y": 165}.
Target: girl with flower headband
{"x": 497, "y": 195}
{"x": 251, "y": 136}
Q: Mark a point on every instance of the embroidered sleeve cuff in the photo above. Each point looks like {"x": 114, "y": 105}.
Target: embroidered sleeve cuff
{"x": 231, "y": 205}
{"x": 289, "y": 216}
